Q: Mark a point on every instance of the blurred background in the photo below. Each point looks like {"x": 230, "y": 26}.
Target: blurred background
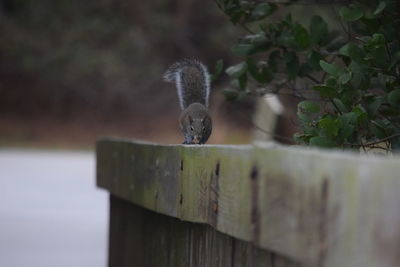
{"x": 73, "y": 71}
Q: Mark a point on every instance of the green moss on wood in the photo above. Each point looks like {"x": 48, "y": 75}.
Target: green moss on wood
{"x": 317, "y": 207}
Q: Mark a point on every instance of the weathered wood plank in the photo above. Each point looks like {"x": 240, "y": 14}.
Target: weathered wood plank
{"x": 125, "y": 234}
{"x": 318, "y": 208}
{"x": 246, "y": 255}
{"x": 139, "y": 237}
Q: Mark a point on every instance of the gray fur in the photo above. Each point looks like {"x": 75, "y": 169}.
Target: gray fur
{"x": 192, "y": 81}
{"x": 196, "y": 124}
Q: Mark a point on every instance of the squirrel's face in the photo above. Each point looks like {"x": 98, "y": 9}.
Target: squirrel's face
{"x": 195, "y": 123}
{"x": 197, "y": 129}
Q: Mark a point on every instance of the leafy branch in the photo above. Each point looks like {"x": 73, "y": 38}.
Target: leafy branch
{"x": 354, "y": 73}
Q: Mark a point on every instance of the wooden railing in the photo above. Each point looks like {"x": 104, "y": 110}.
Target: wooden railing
{"x": 252, "y": 205}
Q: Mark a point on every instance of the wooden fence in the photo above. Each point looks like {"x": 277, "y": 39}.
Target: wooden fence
{"x": 258, "y": 205}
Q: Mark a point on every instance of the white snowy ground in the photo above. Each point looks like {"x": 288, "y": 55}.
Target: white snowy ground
{"x": 51, "y": 213}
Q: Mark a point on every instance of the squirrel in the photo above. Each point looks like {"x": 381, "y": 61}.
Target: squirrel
{"x": 192, "y": 81}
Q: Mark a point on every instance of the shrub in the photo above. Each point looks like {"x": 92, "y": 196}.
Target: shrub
{"x": 348, "y": 80}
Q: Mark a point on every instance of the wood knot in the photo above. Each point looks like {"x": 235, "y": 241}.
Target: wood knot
{"x": 254, "y": 173}
{"x": 215, "y": 207}
{"x": 217, "y": 169}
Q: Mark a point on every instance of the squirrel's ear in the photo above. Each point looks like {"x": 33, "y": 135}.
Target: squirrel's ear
{"x": 204, "y": 120}
{"x": 190, "y": 119}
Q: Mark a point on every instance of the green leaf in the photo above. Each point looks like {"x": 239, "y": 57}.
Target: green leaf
{"x": 361, "y": 113}
{"x": 394, "y": 98}
{"x": 332, "y": 69}
{"x": 388, "y": 111}
{"x": 307, "y": 106}
{"x": 330, "y": 126}
{"x": 292, "y": 64}
{"x": 363, "y": 39}
{"x": 325, "y": 91}
{"x": 352, "y": 51}
{"x": 346, "y": 131}
{"x": 352, "y": 13}
{"x": 331, "y": 82}
{"x": 395, "y": 60}
{"x": 318, "y": 29}
{"x": 377, "y": 129}
{"x": 301, "y": 37}
{"x": 378, "y": 38}
{"x": 373, "y": 104}
{"x": 348, "y": 118}
{"x": 219, "y": 66}
{"x": 380, "y": 8}
{"x": 322, "y": 141}
{"x": 243, "y": 81}
{"x": 237, "y": 70}
{"x": 242, "y": 49}
{"x": 339, "y": 105}
{"x": 377, "y": 41}
{"x": 286, "y": 38}
{"x": 303, "y": 118}
{"x": 385, "y": 81}
{"x": 288, "y": 19}
{"x": 361, "y": 75}
{"x": 313, "y": 60}
{"x": 344, "y": 78}
{"x": 347, "y": 128}
{"x": 262, "y": 10}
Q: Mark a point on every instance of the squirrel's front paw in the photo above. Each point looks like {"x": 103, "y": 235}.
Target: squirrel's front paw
{"x": 187, "y": 142}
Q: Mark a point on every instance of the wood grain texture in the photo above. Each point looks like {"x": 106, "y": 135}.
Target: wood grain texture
{"x": 317, "y": 208}
{"x": 139, "y": 237}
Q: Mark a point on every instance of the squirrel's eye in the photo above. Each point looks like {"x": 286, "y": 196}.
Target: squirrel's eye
{"x": 191, "y": 128}
{"x": 204, "y": 128}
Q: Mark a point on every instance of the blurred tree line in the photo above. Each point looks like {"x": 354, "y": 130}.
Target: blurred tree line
{"x": 104, "y": 58}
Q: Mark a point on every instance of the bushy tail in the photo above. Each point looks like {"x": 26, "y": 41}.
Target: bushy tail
{"x": 192, "y": 81}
